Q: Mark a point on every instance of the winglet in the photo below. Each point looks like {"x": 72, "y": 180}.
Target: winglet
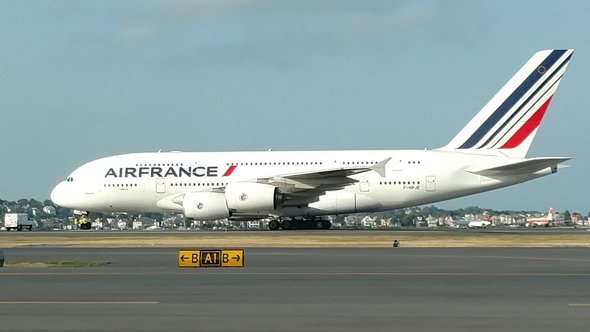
{"x": 380, "y": 167}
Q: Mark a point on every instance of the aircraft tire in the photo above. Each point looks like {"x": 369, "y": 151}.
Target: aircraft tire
{"x": 326, "y": 224}
{"x": 274, "y": 225}
{"x": 286, "y": 224}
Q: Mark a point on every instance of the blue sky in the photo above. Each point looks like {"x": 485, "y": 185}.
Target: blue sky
{"x": 81, "y": 80}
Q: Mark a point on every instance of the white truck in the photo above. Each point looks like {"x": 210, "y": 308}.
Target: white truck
{"x": 18, "y": 221}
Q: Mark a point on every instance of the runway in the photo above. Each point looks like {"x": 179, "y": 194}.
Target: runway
{"x": 291, "y": 289}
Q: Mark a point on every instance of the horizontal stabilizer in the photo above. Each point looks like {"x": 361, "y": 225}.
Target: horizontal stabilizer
{"x": 524, "y": 166}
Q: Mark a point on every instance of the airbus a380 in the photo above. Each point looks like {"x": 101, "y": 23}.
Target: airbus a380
{"x": 296, "y": 188}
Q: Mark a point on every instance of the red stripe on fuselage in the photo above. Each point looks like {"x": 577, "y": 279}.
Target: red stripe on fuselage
{"x": 230, "y": 170}
{"x": 532, "y": 123}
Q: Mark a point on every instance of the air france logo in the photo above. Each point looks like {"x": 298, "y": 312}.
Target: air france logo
{"x": 162, "y": 172}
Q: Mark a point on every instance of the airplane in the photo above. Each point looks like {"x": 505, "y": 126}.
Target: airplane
{"x": 297, "y": 189}
{"x": 465, "y": 223}
{"x": 543, "y": 221}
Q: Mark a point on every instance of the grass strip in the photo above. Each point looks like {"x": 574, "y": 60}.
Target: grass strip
{"x": 340, "y": 239}
{"x": 71, "y": 264}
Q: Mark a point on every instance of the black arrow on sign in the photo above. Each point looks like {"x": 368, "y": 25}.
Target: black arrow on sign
{"x": 183, "y": 257}
{"x": 236, "y": 258}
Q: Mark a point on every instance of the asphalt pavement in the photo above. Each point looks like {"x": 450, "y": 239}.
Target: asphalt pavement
{"x": 285, "y": 289}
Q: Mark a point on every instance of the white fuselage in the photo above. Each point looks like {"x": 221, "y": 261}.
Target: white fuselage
{"x": 539, "y": 221}
{"x": 488, "y": 153}
{"x": 150, "y": 182}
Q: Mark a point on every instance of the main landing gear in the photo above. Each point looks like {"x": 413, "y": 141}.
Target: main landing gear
{"x": 288, "y": 224}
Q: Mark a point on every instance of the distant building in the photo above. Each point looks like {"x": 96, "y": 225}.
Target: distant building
{"x": 577, "y": 218}
{"x": 420, "y": 221}
{"x": 254, "y": 224}
{"x": 431, "y": 221}
{"x": 351, "y": 221}
{"x": 368, "y": 222}
{"x": 122, "y": 224}
{"x": 384, "y": 222}
{"x": 49, "y": 210}
{"x": 97, "y": 224}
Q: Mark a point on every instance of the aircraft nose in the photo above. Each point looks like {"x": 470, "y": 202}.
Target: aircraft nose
{"x": 60, "y": 195}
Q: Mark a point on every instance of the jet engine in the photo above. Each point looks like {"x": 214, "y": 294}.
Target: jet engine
{"x": 250, "y": 197}
{"x": 205, "y": 206}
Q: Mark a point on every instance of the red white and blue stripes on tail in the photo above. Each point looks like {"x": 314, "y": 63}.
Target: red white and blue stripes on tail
{"x": 507, "y": 124}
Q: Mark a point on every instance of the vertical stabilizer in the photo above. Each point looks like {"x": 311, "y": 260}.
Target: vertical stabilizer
{"x": 507, "y": 124}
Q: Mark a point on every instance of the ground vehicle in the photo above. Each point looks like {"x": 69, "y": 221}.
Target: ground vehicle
{"x": 18, "y": 221}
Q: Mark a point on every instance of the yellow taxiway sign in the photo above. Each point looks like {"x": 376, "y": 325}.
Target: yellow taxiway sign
{"x": 211, "y": 258}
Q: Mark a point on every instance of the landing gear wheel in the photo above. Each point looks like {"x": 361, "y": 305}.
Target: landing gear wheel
{"x": 287, "y": 224}
{"x": 273, "y": 225}
{"x": 326, "y": 224}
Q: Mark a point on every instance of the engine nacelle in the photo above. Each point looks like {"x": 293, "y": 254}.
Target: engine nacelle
{"x": 249, "y": 197}
{"x": 205, "y": 206}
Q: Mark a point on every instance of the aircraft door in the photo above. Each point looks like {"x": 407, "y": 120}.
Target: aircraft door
{"x": 364, "y": 184}
{"x": 160, "y": 185}
{"x": 431, "y": 183}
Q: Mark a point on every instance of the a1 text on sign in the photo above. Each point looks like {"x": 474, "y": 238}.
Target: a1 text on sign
{"x": 211, "y": 258}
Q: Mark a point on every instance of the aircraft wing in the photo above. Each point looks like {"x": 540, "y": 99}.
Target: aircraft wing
{"x": 322, "y": 180}
{"x": 307, "y": 187}
{"x": 526, "y": 166}
{"x": 299, "y": 188}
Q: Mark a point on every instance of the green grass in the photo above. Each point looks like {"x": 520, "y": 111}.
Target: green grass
{"x": 58, "y": 264}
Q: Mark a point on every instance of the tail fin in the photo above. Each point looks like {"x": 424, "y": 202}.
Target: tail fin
{"x": 550, "y": 214}
{"x": 507, "y": 124}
